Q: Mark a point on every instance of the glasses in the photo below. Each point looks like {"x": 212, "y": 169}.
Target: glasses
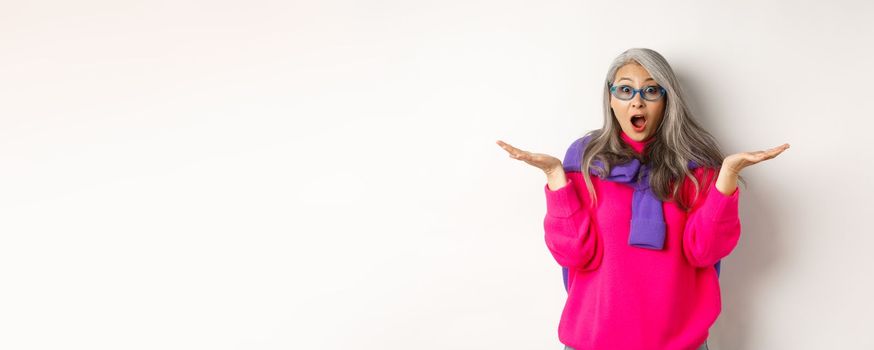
{"x": 649, "y": 93}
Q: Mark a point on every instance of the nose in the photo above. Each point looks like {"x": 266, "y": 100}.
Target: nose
{"x": 637, "y": 100}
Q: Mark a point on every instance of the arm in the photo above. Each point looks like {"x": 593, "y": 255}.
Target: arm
{"x": 713, "y": 226}
{"x": 569, "y": 233}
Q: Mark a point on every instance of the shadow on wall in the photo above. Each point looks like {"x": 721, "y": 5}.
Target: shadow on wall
{"x": 747, "y": 270}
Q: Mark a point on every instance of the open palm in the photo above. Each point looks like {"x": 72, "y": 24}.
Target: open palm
{"x": 545, "y": 162}
{"x": 736, "y": 162}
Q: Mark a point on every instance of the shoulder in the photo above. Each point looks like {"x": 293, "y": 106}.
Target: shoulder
{"x": 574, "y": 154}
{"x": 706, "y": 177}
{"x": 704, "y": 173}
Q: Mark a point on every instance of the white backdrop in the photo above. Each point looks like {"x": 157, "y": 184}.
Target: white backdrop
{"x": 324, "y": 174}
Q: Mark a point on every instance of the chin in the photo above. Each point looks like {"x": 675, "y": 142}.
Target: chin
{"x": 638, "y": 136}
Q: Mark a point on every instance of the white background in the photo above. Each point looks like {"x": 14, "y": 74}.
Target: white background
{"x": 324, "y": 174}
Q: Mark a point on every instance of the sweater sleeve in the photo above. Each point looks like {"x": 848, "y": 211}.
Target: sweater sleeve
{"x": 713, "y": 226}
{"x": 570, "y": 235}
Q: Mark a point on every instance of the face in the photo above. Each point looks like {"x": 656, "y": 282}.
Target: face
{"x": 636, "y": 77}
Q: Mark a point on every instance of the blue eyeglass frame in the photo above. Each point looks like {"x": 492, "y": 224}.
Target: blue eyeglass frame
{"x": 662, "y": 92}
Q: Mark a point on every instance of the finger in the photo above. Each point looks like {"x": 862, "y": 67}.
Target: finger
{"x": 779, "y": 148}
{"x": 774, "y": 150}
{"x": 768, "y": 154}
{"x": 502, "y": 143}
{"x": 523, "y": 155}
{"x": 754, "y": 157}
{"x": 509, "y": 148}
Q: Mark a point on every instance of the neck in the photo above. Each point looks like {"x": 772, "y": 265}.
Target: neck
{"x": 638, "y": 146}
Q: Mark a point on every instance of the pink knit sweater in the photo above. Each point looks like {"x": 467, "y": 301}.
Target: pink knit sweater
{"x": 622, "y": 297}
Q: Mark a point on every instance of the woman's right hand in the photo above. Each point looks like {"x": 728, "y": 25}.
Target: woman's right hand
{"x": 549, "y": 164}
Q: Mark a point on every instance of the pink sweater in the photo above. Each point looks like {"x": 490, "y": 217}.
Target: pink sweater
{"x": 622, "y": 297}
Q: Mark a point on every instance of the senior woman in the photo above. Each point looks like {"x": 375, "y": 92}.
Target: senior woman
{"x": 640, "y": 242}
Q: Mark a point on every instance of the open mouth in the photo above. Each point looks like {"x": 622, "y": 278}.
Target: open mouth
{"x": 638, "y": 122}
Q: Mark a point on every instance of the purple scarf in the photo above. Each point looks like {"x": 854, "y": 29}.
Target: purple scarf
{"x": 647, "y": 218}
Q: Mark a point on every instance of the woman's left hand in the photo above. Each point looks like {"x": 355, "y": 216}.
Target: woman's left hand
{"x": 736, "y": 162}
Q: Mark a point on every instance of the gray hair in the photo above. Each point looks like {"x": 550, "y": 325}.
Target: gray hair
{"x": 678, "y": 139}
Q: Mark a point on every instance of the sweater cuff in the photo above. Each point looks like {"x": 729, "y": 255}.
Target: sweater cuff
{"x": 562, "y": 202}
{"x": 719, "y": 207}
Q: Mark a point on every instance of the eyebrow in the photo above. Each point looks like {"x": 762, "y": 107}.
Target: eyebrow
{"x": 625, "y": 78}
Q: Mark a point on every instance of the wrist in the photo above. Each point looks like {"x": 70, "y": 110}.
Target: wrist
{"x": 726, "y": 182}
{"x": 556, "y": 179}
{"x": 554, "y": 170}
{"x": 727, "y": 171}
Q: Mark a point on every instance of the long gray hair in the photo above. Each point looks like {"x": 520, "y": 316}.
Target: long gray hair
{"x": 677, "y": 140}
